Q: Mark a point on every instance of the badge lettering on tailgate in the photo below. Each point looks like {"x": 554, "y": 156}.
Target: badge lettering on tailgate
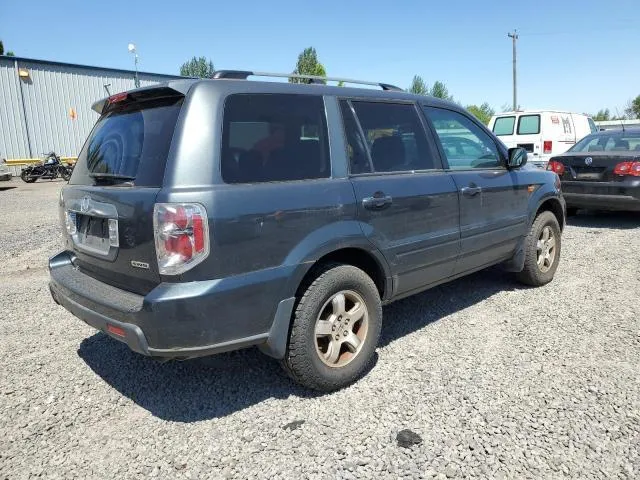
{"x": 136, "y": 264}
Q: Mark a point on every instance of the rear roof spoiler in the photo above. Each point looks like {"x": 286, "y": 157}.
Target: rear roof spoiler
{"x": 176, "y": 88}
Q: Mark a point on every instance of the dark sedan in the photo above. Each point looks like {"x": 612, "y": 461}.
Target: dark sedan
{"x": 601, "y": 171}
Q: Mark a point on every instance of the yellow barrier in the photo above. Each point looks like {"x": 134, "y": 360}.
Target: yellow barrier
{"x": 28, "y": 161}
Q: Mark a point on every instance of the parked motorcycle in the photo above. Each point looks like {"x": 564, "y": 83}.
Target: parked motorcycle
{"x": 50, "y": 169}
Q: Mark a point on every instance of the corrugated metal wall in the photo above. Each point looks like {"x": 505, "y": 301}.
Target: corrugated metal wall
{"x": 13, "y": 133}
{"x": 35, "y": 113}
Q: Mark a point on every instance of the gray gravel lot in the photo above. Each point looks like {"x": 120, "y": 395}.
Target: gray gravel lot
{"x": 500, "y": 381}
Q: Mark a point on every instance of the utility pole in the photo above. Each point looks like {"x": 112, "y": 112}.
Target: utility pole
{"x": 514, "y": 36}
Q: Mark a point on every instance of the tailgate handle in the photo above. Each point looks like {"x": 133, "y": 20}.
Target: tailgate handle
{"x": 377, "y": 202}
{"x": 471, "y": 191}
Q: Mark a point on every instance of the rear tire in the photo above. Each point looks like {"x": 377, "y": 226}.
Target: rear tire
{"x": 27, "y": 178}
{"x": 335, "y": 329}
{"x": 66, "y": 174}
{"x": 542, "y": 251}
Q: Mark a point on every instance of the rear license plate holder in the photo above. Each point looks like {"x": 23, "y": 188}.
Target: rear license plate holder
{"x": 589, "y": 176}
{"x": 92, "y": 234}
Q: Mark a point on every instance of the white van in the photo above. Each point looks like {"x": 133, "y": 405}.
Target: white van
{"x": 542, "y": 133}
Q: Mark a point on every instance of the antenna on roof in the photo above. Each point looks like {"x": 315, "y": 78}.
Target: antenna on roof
{"x": 621, "y": 120}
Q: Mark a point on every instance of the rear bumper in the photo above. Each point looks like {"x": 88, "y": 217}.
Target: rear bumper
{"x": 606, "y": 196}
{"x": 180, "y": 320}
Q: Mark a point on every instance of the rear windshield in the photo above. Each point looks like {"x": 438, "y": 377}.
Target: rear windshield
{"x": 129, "y": 144}
{"x": 504, "y": 125}
{"x": 616, "y": 141}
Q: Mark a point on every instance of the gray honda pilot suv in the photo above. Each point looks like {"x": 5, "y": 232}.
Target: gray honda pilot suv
{"x": 210, "y": 215}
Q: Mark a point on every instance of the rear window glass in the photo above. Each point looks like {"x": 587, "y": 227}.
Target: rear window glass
{"x": 130, "y": 143}
{"x": 529, "y": 124}
{"x": 504, "y": 125}
{"x": 615, "y": 141}
{"x": 274, "y": 137}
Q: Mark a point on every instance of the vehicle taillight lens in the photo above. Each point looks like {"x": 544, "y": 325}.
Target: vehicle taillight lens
{"x": 556, "y": 166}
{"x": 627, "y": 168}
{"x": 547, "y": 146}
{"x": 182, "y": 236}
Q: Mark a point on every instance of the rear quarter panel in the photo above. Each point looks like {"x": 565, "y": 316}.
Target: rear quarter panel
{"x": 263, "y": 236}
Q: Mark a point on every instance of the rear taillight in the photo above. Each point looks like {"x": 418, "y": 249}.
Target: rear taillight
{"x": 556, "y": 166}
{"x": 627, "y": 168}
{"x": 182, "y": 236}
{"x": 547, "y": 146}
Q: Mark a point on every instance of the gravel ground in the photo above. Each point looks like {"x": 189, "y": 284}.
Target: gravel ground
{"x": 498, "y": 380}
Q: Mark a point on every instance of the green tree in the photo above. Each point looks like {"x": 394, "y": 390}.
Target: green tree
{"x": 440, "y": 90}
{"x": 483, "y": 112}
{"x": 633, "y": 110}
{"x": 197, "y": 67}
{"x": 308, "y": 64}
{"x": 418, "y": 86}
{"x": 1, "y": 48}
{"x": 602, "y": 115}
{"x": 10, "y": 54}
{"x": 340, "y": 83}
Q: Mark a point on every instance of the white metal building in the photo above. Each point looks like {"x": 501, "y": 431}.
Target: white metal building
{"x": 46, "y": 105}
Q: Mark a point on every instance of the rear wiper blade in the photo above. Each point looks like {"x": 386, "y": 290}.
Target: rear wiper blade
{"x": 114, "y": 176}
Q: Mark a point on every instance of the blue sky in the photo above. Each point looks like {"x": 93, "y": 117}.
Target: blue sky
{"x": 574, "y": 55}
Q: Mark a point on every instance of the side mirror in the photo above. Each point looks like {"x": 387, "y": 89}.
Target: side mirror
{"x": 517, "y": 158}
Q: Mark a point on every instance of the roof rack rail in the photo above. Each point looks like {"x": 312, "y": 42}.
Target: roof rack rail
{"x": 244, "y": 74}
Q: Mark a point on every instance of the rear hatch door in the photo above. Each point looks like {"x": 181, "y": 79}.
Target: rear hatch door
{"x": 107, "y": 208}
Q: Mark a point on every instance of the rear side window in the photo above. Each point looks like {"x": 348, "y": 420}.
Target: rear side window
{"x": 529, "y": 125}
{"x": 273, "y": 138}
{"x": 504, "y": 125}
{"x": 394, "y": 136}
{"x": 592, "y": 126}
{"x": 359, "y": 161}
{"x": 129, "y": 143}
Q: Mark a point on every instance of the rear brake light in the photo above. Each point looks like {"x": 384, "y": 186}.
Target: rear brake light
{"x": 547, "y": 146}
{"x": 182, "y": 236}
{"x": 556, "y": 166}
{"x": 118, "y": 97}
{"x": 627, "y": 168}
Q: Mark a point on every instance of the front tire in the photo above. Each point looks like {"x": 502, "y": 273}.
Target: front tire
{"x": 335, "y": 329}
{"x": 542, "y": 251}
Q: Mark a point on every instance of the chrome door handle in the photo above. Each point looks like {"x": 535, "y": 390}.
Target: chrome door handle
{"x": 470, "y": 191}
{"x": 377, "y": 202}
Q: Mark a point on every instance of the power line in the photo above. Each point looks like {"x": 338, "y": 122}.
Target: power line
{"x": 575, "y": 32}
